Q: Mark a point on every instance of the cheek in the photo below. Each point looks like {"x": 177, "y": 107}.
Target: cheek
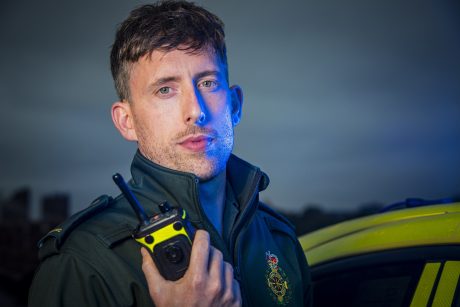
{"x": 220, "y": 106}
{"x": 159, "y": 128}
{"x": 147, "y": 126}
{"x": 159, "y": 120}
{"x": 221, "y": 118}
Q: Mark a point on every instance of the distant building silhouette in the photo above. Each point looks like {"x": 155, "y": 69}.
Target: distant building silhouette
{"x": 16, "y": 208}
{"x": 55, "y": 208}
{"x": 314, "y": 217}
{"x": 19, "y": 237}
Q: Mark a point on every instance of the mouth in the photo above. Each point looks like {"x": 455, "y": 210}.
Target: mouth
{"x": 196, "y": 143}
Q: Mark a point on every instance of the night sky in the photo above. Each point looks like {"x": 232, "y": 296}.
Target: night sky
{"x": 346, "y": 102}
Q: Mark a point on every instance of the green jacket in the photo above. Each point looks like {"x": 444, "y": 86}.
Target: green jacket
{"x": 92, "y": 260}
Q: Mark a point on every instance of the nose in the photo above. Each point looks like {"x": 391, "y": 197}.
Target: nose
{"x": 194, "y": 108}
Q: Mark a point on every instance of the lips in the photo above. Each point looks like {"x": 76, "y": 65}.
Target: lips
{"x": 196, "y": 143}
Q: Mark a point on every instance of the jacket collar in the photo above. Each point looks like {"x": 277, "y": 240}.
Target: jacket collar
{"x": 153, "y": 183}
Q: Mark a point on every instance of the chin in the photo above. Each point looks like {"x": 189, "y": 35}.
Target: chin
{"x": 205, "y": 174}
{"x": 206, "y": 170}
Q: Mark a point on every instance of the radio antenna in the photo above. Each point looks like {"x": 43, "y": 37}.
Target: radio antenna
{"x": 140, "y": 212}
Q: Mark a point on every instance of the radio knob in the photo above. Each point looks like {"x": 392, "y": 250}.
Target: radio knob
{"x": 177, "y": 226}
{"x": 149, "y": 239}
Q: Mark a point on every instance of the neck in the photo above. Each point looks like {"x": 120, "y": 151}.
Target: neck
{"x": 212, "y": 199}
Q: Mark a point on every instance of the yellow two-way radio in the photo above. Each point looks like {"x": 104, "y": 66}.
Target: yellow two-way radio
{"x": 167, "y": 236}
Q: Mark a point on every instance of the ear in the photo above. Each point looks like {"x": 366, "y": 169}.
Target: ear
{"x": 237, "y": 103}
{"x": 123, "y": 120}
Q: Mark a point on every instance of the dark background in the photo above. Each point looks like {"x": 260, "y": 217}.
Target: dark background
{"x": 349, "y": 105}
{"x": 345, "y": 102}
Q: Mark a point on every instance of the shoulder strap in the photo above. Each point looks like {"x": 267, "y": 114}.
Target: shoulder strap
{"x": 53, "y": 240}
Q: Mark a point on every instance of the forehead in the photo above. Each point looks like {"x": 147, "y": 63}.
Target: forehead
{"x": 178, "y": 62}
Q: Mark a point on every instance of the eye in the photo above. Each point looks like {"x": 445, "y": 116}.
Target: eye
{"x": 208, "y": 83}
{"x": 164, "y": 90}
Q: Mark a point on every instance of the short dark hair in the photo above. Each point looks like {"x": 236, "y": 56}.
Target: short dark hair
{"x": 165, "y": 26}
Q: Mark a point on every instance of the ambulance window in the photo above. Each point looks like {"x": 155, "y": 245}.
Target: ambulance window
{"x": 384, "y": 285}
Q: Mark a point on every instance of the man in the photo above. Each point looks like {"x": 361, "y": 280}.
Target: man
{"x": 170, "y": 70}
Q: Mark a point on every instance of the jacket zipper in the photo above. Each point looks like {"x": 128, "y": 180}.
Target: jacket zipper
{"x": 237, "y": 232}
{"x": 208, "y": 226}
{"x": 235, "y": 235}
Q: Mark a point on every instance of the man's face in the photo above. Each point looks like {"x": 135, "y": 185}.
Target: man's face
{"x": 182, "y": 111}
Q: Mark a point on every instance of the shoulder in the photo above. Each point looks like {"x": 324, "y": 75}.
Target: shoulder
{"x": 100, "y": 224}
{"x": 275, "y": 220}
{"x": 61, "y": 232}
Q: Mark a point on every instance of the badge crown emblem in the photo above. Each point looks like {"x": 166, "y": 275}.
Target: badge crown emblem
{"x": 277, "y": 280}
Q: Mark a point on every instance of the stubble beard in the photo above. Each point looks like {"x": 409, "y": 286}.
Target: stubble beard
{"x": 205, "y": 165}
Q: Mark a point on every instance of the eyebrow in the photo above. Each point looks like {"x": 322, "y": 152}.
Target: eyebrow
{"x": 207, "y": 73}
{"x": 164, "y": 80}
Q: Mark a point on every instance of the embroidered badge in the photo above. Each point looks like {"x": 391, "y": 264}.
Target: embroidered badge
{"x": 277, "y": 280}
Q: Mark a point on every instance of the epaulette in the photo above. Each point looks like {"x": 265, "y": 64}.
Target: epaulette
{"x": 53, "y": 240}
{"x": 276, "y": 215}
